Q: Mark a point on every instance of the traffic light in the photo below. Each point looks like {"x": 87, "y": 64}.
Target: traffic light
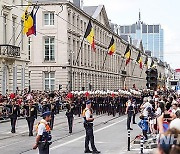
{"x": 60, "y": 86}
{"x": 151, "y": 78}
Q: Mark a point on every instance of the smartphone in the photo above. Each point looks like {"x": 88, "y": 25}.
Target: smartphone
{"x": 167, "y": 116}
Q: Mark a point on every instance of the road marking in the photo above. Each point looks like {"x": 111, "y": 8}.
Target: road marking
{"x": 81, "y": 137}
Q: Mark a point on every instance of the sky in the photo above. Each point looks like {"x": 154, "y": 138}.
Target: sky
{"x": 164, "y": 12}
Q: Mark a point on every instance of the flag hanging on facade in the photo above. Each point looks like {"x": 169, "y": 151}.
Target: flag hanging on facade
{"x": 112, "y": 47}
{"x": 152, "y": 63}
{"x": 146, "y": 61}
{"x": 127, "y": 54}
{"x": 89, "y": 35}
{"x": 29, "y": 22}
{"x": 139, "y": 60}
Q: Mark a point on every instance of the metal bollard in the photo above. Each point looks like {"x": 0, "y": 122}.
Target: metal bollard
{"x": 141, "y": 143}
{"x": 129, "y": 138}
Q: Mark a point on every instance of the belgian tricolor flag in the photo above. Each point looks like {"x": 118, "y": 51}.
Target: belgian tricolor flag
{"x": 89, "y": 35}
{"x": 127, "y": 54}
{"x": 29, "y": 22}
{"x": 112, "y": 47}
{"x": 152, "y": 63}
{"x": 139, "y": 60}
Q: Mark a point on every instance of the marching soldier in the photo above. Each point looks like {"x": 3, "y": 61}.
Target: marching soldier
{"x": 70, "y": 113}
{"x": 78, "y": 102}
{"x": 113, "y": 105}
{"x": 31, "y": 115}
{"x": 43, "y": 139}
{"x": 119, "y": 105}
{"x": 88, "y": 125}
{"x": 52, "y": 107}
{"x": 14, "y": 113}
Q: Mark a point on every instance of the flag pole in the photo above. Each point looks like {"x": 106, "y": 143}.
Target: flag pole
{"x": 141, "y": 72}
{"x": 79, "y": 50}
{"x": 104, "y": 60}
{"x": 134, "y": 68}
{"x": 121, "y": 63}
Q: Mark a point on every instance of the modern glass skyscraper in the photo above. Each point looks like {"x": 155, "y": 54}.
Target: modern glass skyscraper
{"x": 152, "y": 36}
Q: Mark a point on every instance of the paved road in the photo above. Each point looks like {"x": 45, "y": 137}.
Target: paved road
{"x": 110, "y": 136}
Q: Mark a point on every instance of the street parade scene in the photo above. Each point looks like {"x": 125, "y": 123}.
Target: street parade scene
{"x": 89, "y": 76}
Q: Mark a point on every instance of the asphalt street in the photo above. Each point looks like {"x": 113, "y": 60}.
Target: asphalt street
{"x": 110, "y": 136}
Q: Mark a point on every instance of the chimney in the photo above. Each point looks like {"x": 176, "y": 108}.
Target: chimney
{"x": 79, "y": 3}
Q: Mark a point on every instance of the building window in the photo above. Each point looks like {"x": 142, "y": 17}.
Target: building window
{"x": 14, "y": 30}
{"x": 73, "y": 19}
{"x": 150, "y": 28}
{"x": 29, "y": 48}
{"x": 49, "y": 80}
{"x": 5, "y": 28}
{"x": 85, "y": 27}
{"x": 126, "y": 29}
{"x": 78, "y": 22}
{"x": 49, "y": 49}
{"x": 49, "y": 18}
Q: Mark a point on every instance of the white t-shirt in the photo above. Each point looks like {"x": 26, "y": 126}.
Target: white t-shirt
{"x": 158, "y": 112}
{"x": 87, "y": 113}
{"x": 174, "y": 111}
{"x": 145, "y": 106}
{"x": 42, "y": 127}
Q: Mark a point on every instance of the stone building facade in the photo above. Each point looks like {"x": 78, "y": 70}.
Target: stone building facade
{"x": 13, "y": 48}
{"x": 60, "y": 29}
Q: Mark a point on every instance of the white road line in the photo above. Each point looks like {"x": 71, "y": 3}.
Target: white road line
{"x": 81, "y": 137}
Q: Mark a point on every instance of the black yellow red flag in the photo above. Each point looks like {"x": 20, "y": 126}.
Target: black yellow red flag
{"x": 29, "y": 26}
{"x": 127, "y": 54}
{"x": 139, "y": 60}
{"x": 112, "y": 47}
{"x": 89, "y": 35}
{"x": 152, "y": 63}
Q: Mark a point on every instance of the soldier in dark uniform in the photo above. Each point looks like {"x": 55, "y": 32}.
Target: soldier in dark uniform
{"x": 14, "y": 113}
{"x": 119, "y": 105}
{"x": 70, "y": 114}
{"x": 57, "y": 101}
{"x": 31, "y": 115}
{"x": 78, "y": 103}
{"x": 52, "y": 107}
{"x": 113, "y": 105}
{"x": 109, "y": 104}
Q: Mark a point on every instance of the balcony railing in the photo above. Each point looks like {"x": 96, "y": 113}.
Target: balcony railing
{"x": 9, "y": 51}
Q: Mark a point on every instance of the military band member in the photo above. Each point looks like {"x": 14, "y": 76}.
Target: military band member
{"x": 70, "y": 114}
{"x": 31, "y": 115}
{"x": 14, "y": 113}
{"x": 52, "y": 107}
